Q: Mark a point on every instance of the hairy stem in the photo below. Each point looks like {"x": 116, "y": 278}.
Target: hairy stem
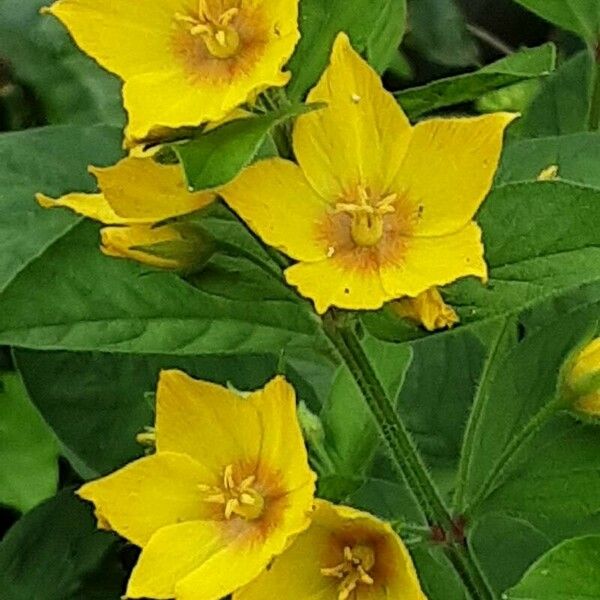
{"x": 402, "y": 451}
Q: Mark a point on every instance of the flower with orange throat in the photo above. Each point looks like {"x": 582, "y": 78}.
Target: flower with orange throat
{"x": 185, "y": 62}
{"x": 376, "y": 209}
{"x": 346, "y": 554}
{"x": 228, "y": 486}
{"x": 135, "y": 195}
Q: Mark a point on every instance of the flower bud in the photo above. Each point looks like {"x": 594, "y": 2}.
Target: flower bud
{"x": 582, "y": 380}
{"x": 176, "y": 247}
{"x": 428, "y": 310}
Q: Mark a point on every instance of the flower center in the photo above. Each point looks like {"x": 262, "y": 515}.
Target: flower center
{"x": 216, "y": 30}
{"x": 367, "y": 215}
{"x": 237, "y": 498}
{"x": 353, "y": 570}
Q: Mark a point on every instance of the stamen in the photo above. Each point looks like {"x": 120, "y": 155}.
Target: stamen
{"x": 241, "y": 500}
{"x": 353, "y": 570}
{"x": 228, "y": 16}
{"x": 367, "y": 215}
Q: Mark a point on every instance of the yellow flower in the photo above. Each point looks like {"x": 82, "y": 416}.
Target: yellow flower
{"x": 583, "y": 380}
{"x": 228, "y": 485}
{"x": 136, "y": 194}
{"x": 344, "y": 555}
{"x": 427, "y": 309}
{"x": 185, "y": 62}
{"x": 376, "y": 209}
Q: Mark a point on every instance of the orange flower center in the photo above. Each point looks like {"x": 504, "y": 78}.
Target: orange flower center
{"x": 367, "y": 214}
{"x": 216, "y": 28}
{"x": 353, "y": 571}
{"x": 238, "y": 498}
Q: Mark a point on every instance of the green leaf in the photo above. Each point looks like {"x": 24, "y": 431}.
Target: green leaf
{"x": 579, "y": 16}
{"x": 570, "y": 570}
{"x": 438, "y": 577}
{"x": 215, "y": 158}
{"x": 373, "y": 25}
{"x": 55, "y": 551}
{"x": 107, "y": 393}
{"x": 541, "y": 241}
{"x": 52, "y": 160}
{"x": 28, "y": 451}
{"x": 576, "y": 156}
{"x": 527, "y": 64}
{"x": 563, "y": 103}
{"x": 516, "y": 386}
{"x": 87, "y": 301}
{"x": 351, "y": 436}
{"x": 439, "y": 33}
{"x": 505, "y": 547}
{"x": 382, "y": 46}
{"x": 70, "y": 86}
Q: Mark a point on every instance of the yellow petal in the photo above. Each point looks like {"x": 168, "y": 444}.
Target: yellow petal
{"x": 126, "y": 38}
{"x": 136, "y": 243}
{"x": 362, "y": 135}
{"x": 427, "y": 309}
{"x": 224, "y": 572}
{"x": 449, "y": 168}
{"x": 139, "y": 188}
{"x": 284, "y": 444}
{"x": 148, "y": 494}
{"x": 93, "y": 206}
{"x": 172, "y": 553}
{"x": 297, "y": 573}
{"x": 207, "y": 421}
{"x": 589, "y": 404}
{"x": 194, "y": 89}
{"x": 343, "y": 281}
{"x": 435, "y": 261}
{"x": 277, "y": 202}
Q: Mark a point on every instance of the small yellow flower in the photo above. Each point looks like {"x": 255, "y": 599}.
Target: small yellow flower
{"x": 136, "y": 194}
{"x": 427, "y": 309}
{"x": 376, "y": 209}
{"x": 227, "y": 488}
{"x": 185, "y": 62}
{"x": 344, "y": 555}
{"x": 583, "y": 380}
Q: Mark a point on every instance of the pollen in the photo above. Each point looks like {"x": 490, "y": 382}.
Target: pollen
{"x": 239, "y": 499}
{"x": 368, "y": 214}
{"x": 216, "y": 29}
{"x": 353, "y": 571}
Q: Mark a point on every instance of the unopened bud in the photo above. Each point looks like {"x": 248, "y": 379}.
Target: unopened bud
{"x": 582, "y": 381}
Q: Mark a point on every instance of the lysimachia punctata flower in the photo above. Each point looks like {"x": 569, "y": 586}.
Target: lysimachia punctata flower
{"x": 346, "y": 554}
{"x": 583, "y": 380}
{"x": 135, "y": 195}
{"x": 427, "y": 309}
{"x": 376, "y": 209}
{"x": 185, "y": 62}
{"x": 227, "y": 488}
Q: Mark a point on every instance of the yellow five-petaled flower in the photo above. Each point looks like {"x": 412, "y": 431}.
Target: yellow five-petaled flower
{"x": 376, "y": 209}
{"x": 227, "y": 488}
{"x": 346, "y": 554}
{"x": 185, "y": 62}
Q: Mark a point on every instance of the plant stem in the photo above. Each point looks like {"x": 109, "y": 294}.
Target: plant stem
{"x": 402, "y": 450}
{"x": 532, "y": 427}
{"x": 490, "y": 39}
{"x": 594, "y": 122}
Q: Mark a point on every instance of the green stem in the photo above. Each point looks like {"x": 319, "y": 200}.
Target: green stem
{"x": 594, "y": 122}
{"x": 532, "y": 427}
{"x": 402, "y": 450}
